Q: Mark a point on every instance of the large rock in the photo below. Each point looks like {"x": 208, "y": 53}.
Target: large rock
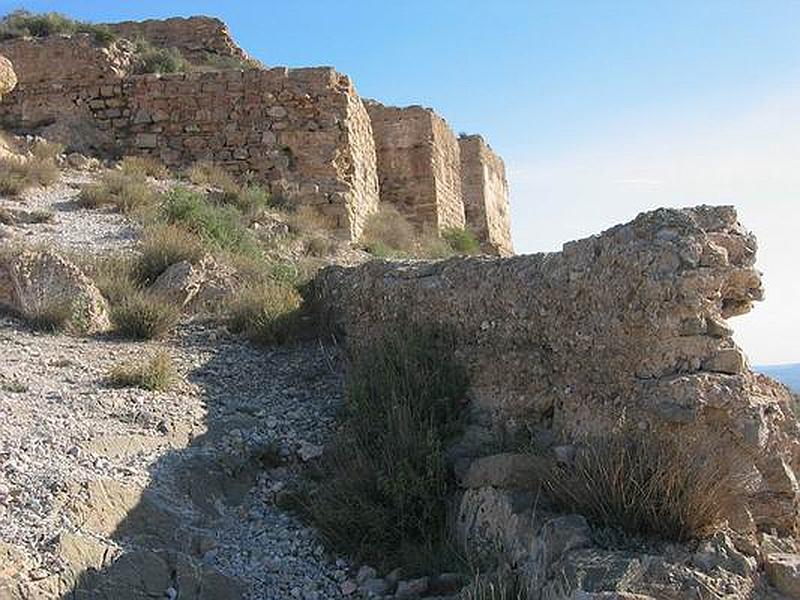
{"x": 8, "y": 79}
{"x": 195, "y": 286}
{"x": 783, "y": 571}
{"x": 35, "y": 282}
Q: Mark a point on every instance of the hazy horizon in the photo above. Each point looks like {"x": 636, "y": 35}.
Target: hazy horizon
{"x": 601, "y": 110}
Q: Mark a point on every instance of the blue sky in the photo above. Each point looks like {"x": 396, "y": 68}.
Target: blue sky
{"x": 600, "y": 109}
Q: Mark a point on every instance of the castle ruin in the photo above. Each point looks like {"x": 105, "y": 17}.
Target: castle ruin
{"x": 304, "y": 133}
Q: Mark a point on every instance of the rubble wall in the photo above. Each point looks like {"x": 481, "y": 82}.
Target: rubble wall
{"x": 627, "y": 327}
{"x": 484, "y": 188}
{"x": 195, "y": 37}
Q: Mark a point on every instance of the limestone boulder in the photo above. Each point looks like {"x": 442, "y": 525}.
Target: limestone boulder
{"x": 35, "y": 282}
{"x": 8, "y": 79}
{"x": 193, "y": 286}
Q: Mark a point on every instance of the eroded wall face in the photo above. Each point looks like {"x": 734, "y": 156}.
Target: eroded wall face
{"x": 195, "y": 37}
{"x": 418, "y": 165}
{"x": 446, "y": 165}
{"x": 627, "y": 328}
{"x": 485, "y": 191}
{"x": 58, "y": 77}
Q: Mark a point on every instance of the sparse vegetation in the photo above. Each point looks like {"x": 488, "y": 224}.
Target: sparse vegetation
{"x": 388, "y": 234}
{"x": 143, "y": 316}
{"x": 250, "y": 199}
{"x": 461, "y": 241}
{"x": 22, "y": 23}
{"x": 126, "y": 192}
{"x": 265, "y": 313}
{"x": 155, "y": 374}
{"x": 647, "y": 484}
{"x": 13, "y": 386}
{"x": 16, "y": 176}
{"x": 162, "y": 247}
{"x": 382, "y": 490}
{"x": 51, "y": 315}
{"x": 144, "y": 166}
{"x": 501, "y": 586}
{"x": 114, "y": 276}
{"x": 151, "y": 59}
{"x": 221, "y": 226}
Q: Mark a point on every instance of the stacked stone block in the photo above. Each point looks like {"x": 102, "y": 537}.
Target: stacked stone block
{"x": 418, "y": 165}
{"x": 484, "y": 188}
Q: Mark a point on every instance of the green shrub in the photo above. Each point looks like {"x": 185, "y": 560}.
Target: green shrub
{"x": 22, "y": 23}
{"x": 150, "y": 59}
{"x": 651, "y": 484}
{"x": 383, "y": 488}
{"x": 141, "y": 316}
{"x": 164, "y": 246}
{"x": 155, "y": 374}
{"x": 266, "y": 313}
{"x": 18, "y": 176}
{"x": 461, "y": 241}
{"x": 251, "y": 199}
{"x": 143, "y": 166}
{"x": 126, "y": 192}
{"x": 222, "y": 226}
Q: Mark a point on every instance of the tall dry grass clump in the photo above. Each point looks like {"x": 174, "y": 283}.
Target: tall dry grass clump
{"x": 156, "y": 373}
{"x": 384, "y": 486}
{"x": 651, "y": 484}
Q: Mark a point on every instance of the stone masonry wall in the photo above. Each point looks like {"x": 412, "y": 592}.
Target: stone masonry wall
{"x": 485, "y": 191}
{"x": 303, "y": 132}
{"x": 624, "y": 329}
{"x": 195, "y": 37}
{"x": 57, "y": 78}
{"x": 418, "y": 165}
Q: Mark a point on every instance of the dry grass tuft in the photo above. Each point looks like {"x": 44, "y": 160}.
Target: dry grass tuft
{"x": 52, "y": 315}
{"x": 648, "y": 484}
{"x": 266, "y": 313}
{"x": 125, "y": 192}
{"x": 164, "y": 246}
{"x": 384, "y": 484}
{"x": 144, "y": 166}
{"x": 141, "y": 316}
{"x": 17, "y": 176}
{"x": 155, "y": 374}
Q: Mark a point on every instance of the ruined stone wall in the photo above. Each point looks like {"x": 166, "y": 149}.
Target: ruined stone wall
{"x": 485, "y": 191}
{"x": 303, "y": 132}
{"x": 418, "y": 165}
{"x": 622, "y": 329}
{"x": 195, "y": 37}
{"x": 58, "y": 76}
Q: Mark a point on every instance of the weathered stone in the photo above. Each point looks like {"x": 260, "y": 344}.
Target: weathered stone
{"x": 418, "y": 165}
{"x": 578, "y": 360}
{"x": 412, "y": 588}
{"x": 8, "y": 78}
{"x": 505, "y": 471}
{"x": 485, "y": 191}
{"x": 34, "y": 282}
{"x": 194, "y": 285}
{"x": 783, "y": 571}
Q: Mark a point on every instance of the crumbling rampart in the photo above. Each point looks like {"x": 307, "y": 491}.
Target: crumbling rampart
{"x": 627, "y": 328}
{"x": 197, "y": 38}
{"x": 303, "y": 132}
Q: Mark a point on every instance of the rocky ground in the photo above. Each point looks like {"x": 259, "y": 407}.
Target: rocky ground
{"x": 161, "y": 492}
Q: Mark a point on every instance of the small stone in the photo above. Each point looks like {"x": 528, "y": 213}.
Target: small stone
{"x": 364, "y": 573}
{"x": 374, "y": 586}
{"x": 412, "y": 587}
{"x": 348, "y": 587}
